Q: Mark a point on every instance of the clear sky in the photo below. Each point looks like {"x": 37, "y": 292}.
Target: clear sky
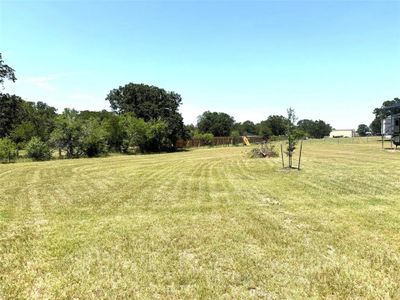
{"x": 329, "y": 60}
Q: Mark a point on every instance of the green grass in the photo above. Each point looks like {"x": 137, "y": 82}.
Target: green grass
{"x": 207, "y": 223}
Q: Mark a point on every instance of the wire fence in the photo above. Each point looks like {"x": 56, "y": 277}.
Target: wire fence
{"x": 352, "y": 140}
{"x": 225, "y": 141}
{"x": 238, "y": 140}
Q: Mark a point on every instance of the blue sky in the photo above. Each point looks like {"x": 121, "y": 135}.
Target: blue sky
{"x": 329, "y": 60}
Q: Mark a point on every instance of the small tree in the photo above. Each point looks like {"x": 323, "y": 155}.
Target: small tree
{"x": 362, "y": 130}
{"x": 8, "y": 150}
{"x": 67, "y": 132}
{"x": 93, "y": 139}
{"x": 157, "y": 135}
{"x": 37, "y": 149}
{"x": 134, "y": 133}
{"x": 291, "y": 134}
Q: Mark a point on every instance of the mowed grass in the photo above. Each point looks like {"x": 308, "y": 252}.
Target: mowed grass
{"x": 207, "y": 223}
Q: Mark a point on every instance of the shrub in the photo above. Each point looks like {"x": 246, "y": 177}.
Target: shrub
{"x": 144, "y": 136}
{"x": 205, "y": 138}
{"x": 93, "y": 139}
{"x": 134, "y": 133}
{"x": 157, "y": 135}
{"x": 8, "y": 150}
{"x": 37, "y": 149}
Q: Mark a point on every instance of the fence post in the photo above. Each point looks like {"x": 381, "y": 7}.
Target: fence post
{"x": 301, "y": 149}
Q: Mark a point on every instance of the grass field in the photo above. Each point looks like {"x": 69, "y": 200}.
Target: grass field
{"x": 207, "y": 223}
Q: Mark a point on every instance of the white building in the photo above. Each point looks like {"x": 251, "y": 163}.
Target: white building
{"x": 339, "y": 133}
{"x": 391, "y": 128}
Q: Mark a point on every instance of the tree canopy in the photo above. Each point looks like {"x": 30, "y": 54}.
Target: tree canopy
{"x": 382, "y": 112}
{"x": 376, "y": 126}
{"x": 264, "y": 129}
{"x": 6, "y": 72}
{"x": 277, "y": 124}
{"x": 246, "y": 128}
{"x": 150, "y": 103}
{"x": 21, "y": 120}
{"x": 10, "y": 113}
{"x": 216, "y": 123}
{"x": 362, "y": 130}
{"x": 315, "y": 129}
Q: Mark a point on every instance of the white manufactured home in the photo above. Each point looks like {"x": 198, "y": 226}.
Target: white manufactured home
{"x": 391, "y": 128}
{"x": 340, "y": 133}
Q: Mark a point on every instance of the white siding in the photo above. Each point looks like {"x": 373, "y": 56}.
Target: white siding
{"x": 342, "y": 133}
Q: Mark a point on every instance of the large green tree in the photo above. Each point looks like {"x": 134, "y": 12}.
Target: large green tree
{"x": 150, "y": 103}
{"x": 10, "y": 113}
{"x": 217, "y": 123}
{"x": 382, "y": 112}
{"x": 264, "y": 129}
{"x": 315, "y": 129}
{"x": 36, "y": 119}
{"x": 246, "y": 127}
{"x": 110, "y": 123}
{"x": 376, "y": 126}
{"x": 6, "y": 72}
{"x": 22, "y": 120}
{"x": 277, "y": 124}
{"x": 67, "y": 133}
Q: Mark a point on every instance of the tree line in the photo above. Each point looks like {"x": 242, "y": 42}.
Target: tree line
{"x": 143, "y": 119}
{"x": 37, "y": 127}
{"x": 222, "y": 124}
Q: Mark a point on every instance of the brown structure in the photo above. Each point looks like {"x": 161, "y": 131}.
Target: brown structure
{"x": 218, "y": 141}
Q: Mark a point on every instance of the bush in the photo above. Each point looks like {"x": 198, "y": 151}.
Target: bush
{"x": 37, "y": 149}
{"x": 8, "y": 150}
{"x": 93, "y": 139}
{"x": 134, "y": 134}
{"x": 157, "y": 136}
{"x": 205, "y": 138}
{"x": 144, "y": 136}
